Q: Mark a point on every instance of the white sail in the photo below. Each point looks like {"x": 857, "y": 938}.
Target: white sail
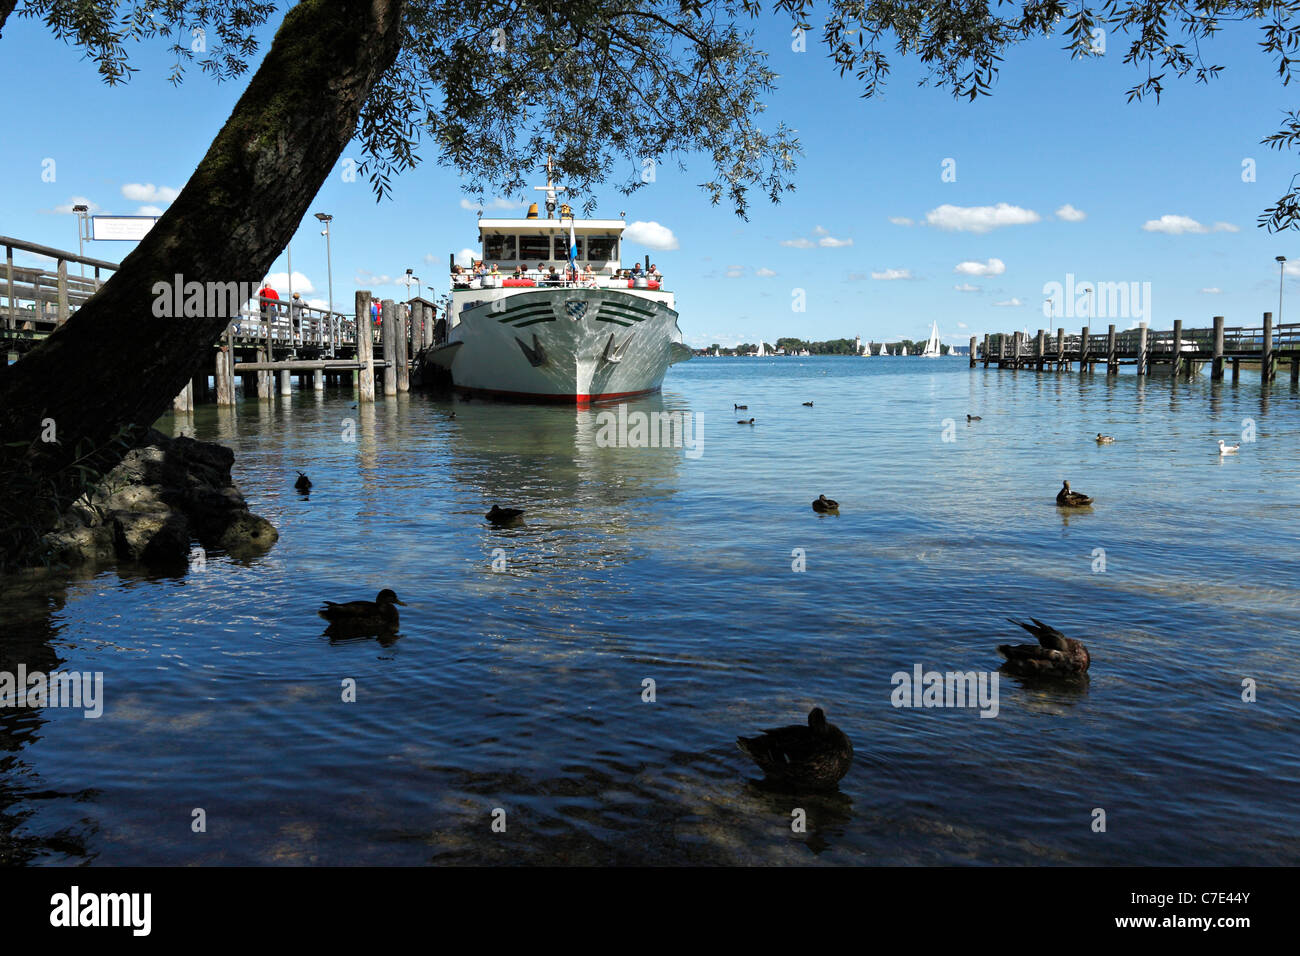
{"x": 932, "y": 348}
{"x": 883, "y": 350}
{"x": 904, "y": 352}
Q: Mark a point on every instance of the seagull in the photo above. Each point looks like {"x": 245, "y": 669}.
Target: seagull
{"x": 1228, "y": 449}
{"x": 816, "y": 756}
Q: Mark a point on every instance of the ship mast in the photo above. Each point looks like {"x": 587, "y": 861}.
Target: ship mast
{"x": 550, "y": 189}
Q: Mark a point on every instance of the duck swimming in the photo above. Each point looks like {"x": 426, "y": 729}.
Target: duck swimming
{"x": 1055, "y": 655}
{"x": 1105, "y": 439}
{"x": 1065, "y": 498}
{"x": 499, "y": 515}
{"x": 363, "y": 617}
{"x": 973, "y": 418}
{"x": 1228, "y": 449}
{"x": 815, "y": 756}
{"x": 303, "y": 483}
{"x": 736, "y": 408}
{"x": 745, "y": 421}
{"x": 823, "y": 504}
{"x": 807, "y": 404}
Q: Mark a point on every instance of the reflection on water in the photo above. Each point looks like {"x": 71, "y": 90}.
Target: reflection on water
{"x": 518, "y": 681}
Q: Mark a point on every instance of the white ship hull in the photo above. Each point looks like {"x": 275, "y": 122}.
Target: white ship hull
{"x": 568, "y": 344}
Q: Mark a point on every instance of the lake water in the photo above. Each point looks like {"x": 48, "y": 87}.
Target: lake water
{"x": 521, "y": 689}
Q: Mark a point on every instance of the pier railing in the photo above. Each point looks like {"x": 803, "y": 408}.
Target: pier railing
{"x": 36, "y": 294}
{"x": 1182, "y": 349}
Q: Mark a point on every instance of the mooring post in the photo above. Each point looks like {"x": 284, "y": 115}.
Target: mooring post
{"x": 1112, "y": 363}
{"x": 403, "y": 349}
{"x": 225, "y": 393}
{"x": 972, "y": 351}
{"x": 1266, "y": 350}
{"x": 183, "y": 403}
{"x": 318, "y": 380}
{"x": 986, "y": 350}
{"x": 388, "y": 342}
{"x": 1175, "y": 361}
{"x": 1040, "y": 350}
{"x": 1236, "y": 368}
{"x": 1216, "y": 361}
{"x": 1060, "y": 349}
{"x": 264, "y": 386}
{"x": 428, "y": 326}
{"x": 365, "y": 348}
{"x": 1015, "y": 349}
{"x": 286, "y": 384}
{"x": 63, "y": 291}
{"x": 1142, "y": 348}
{"x": 1083, "y": 350}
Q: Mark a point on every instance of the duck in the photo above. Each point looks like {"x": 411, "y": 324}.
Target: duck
{"x": 303, "y": 483}
{"x": 974, "y": 418}
{"x": 1066, "y": 498}
{"x": 1105, "y": 439}
{"x": 1055, "y": 655}
{"x": 1225, "y": 449}
{"x": 363, "y": 617}
{"x": 499, "y": 515}
{"x": 737, "y": 408}
{"x": 823, "y": 504}
{"x": 807, "y": 404}
{"x": 745, "y": 421}
{"x": 816, "y": 756}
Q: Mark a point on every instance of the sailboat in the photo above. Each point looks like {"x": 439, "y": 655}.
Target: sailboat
{"x": 883, "y": 350}
{"x": 904, "y": 352}
{"x": 932, "y": 348}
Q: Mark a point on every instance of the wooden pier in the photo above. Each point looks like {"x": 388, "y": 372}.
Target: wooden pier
{"x": 1182, "y": 350}
{"x": 266, "y": 346}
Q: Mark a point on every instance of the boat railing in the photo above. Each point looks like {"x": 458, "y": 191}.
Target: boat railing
{"x": 532, "y": 278}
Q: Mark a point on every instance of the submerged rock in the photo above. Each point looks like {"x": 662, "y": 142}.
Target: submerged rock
{"x": 164, "y": 494}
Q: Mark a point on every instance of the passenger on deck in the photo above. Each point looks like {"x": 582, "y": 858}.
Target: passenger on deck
{"x": 636, "y": 271}
{"x": 654, "y": 272}
{"x": 494, "y": 271}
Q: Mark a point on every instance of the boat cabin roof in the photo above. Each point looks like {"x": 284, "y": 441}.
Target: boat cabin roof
{"x": 547, "y": 227}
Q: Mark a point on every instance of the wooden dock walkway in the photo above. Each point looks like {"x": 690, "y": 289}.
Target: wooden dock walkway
{"x": 1182, "y": 350}
{"x": 265, "y": 346}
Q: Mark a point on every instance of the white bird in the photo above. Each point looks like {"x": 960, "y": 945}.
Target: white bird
{"x": 1228, "y": 449}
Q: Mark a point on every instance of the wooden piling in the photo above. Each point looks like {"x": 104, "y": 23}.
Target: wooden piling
{"x": 972, "y": 351}
{"x": 1083, "y": 350}
{"x": 365, "y": 348}
{"x": 183, "y": 403}
{"x": 1112, "y": 363}
{"x": 286, "y": 384}
{"x": 318, "y": 380}
{"x": 428, "y": 326}
{"x": 1177, "y": 358}
{"x": 1040, "y": 350}
{"x": 225, "y": 383}
{"x": 1216, "y": 362}
{"x": 388, "y": 342}
{"x": 403, "y": 343}
{"x": 986, "y": 350}
{"x": 1236, "y": 368}
{"x": 1142, "y": 349}
{"x": 1015, "y": 349}
{"x": 1266, "y": 350}
{"x": 264, "y": 386}
{"x": 1060, "y": 349}
{"x": 63, "y": 294}
{"x": 1295, "y": 369}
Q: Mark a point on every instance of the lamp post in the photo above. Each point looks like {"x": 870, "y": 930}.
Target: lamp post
{"x": 82, "y": 211}
{"x": 329, "y": 273}
{"x": 1281, "y": 274}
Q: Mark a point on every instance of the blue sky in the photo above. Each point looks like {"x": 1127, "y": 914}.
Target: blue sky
{"x": 1055, "y": 175}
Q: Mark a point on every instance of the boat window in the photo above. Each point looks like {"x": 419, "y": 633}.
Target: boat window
{"x": 562, "y": 246}
{"x": 601, "y": 248}
{"x": 534, "y": 247}
{"x": 496, "y": 248}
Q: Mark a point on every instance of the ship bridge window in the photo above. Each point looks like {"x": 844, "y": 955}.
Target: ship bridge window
{"x": 497, "y": 248}
{"x": 562, "y": 246}
{"x": 601, "y": 248}
{"x": 534, "y": 247}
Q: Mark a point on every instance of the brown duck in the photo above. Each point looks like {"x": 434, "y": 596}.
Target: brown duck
{"x": 363, "y": 617}
{"x": 1066, "y": 498}
{"x": 1054, "y": 656}
{"x": 815, "y": 756}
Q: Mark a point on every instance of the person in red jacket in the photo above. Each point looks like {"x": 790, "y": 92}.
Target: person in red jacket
{"x": 269, "y": 309}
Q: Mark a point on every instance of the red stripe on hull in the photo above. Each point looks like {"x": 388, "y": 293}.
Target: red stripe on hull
{"x": 552, "y": 399}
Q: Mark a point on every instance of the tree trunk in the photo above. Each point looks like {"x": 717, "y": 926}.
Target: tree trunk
{"x": 115, "y": 363}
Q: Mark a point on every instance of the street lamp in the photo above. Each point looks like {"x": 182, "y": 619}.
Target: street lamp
{"x": 82, "y": 211}
{"x": 1281, "y": 273}
{"x": 329, "y": 272}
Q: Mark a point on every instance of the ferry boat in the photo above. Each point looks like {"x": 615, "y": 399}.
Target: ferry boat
{"x": 548, "y": 314}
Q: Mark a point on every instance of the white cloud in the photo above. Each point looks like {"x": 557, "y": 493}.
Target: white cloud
{"x": 961, "y": 325}
{"x": 280, "y": 282}
{"x": 901, "y": 221}
{"x": 821, "y": 231}
{"x": 651, "y": 235}
{"x": 1070, "y": 214}
{"x": 992, "y": 267}
{"x": 966, "y": 287}
{"x": 466, "y": 257}
{"x": 890, "y": 275}
{"x": 365, "y": 279}
{"x": 498, "y": 203}
{"x": 799, "y": 243}
{"x": 735, "y": 272}
{"x": 149, "y": 211}
{"x": 148, "y": 192}
{"x": 321, "y": 304}
{"x": 1009, "y": 302}
{"x": 1212, "y": 290}
{"x": 1172, "y": 225}
{"x": 763, "y": 272}
{"x": 979, "y": 218}
{"x": 833, "y": 243}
